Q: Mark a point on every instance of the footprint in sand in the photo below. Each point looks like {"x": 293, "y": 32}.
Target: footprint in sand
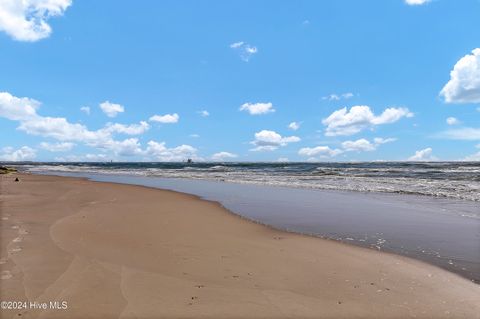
{"x": 4, "y": 218}
{"x": 22, "y": 231}
{"x": 16, "y": 249}
{"x": 6, "y": 274}
{"x": 17, "y": 240}
{"x": 3, "y": 261}
{"x": 15, "y": 227}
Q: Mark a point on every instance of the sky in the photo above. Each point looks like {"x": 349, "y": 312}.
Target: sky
{"x": 330, "y": 80}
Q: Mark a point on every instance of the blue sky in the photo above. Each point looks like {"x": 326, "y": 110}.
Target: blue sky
{"x": 239, "y": 80}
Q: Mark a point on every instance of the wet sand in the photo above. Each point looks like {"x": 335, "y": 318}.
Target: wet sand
{"x": 440, "y": 231}
{"x": 122, "y": 251}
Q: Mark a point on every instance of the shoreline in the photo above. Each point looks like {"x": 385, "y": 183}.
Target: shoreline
{"x": 234, "y": 267}
{"x": 431, "y": 230}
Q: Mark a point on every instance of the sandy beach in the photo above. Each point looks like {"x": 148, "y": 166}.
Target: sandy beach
{"x": 120, "y": 251}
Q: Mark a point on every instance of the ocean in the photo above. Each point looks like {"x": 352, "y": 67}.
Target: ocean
{"x": 428, "y": 211}
{"x": 458, "y": 180}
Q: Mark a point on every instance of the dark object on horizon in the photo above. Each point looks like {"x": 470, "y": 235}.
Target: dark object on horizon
{"x": 189, "y": 160}
{"x": 16, "y": 179}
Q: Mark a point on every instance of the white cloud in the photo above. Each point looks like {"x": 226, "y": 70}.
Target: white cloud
{"x": 24, "y": 153}
{"x": 57, "y": 147}
{"x": 464, "y": 83}
{"x": 320, "y": 151}
{"x": 452, "y": 121}
{"x": 111, "y": 109}
{"x": 26, "y": 20}
{"x": 85, "y": 109}
{"x": 283, "y": 160}
{"x": 380, "y": 140}
{"x": 24, "y": 111}
{"x": 257, "y": 108}
{"x": 177, "y": 154}
{"x": 127, "y": 147}
{"x": 416, "y": 2}
{"x": 17, "y": 109}
{"x": 360, "y": 117}
{"x": 194, "y": 135}
{"x": 338, "y": 97}
{"x": 294, "y": 126}
{"x": 245, "y": 50}
{"x": 204, "y": 113}
{"x": 84, "y": 158}
{"x": 464, "y": 133}
{"x": 236, "y": 45}
{"x": 358, "y": 145}
{"x": 270, "y": 140}
{"x": 165, "y": 119}
{"x": 132, "y": 129}
{"x": 423, "y": 155}
{"x": 222, "y": 156}
{"x": 62, "y": 130}
{"x": 363, "y": 145}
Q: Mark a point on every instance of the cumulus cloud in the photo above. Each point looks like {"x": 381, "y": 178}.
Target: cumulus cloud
{"x": 464, "y": 83}
{"x": 160, "y": 152}
{"x": 270, "y": 140}
{"x": 26, "y": 20}
{"x": 360, "y": 117}
{"x": 245, "y": 50}
{"x": 319, "y": 151}
{"x": 294, "y": 126}
{"x": 165, "y": 119}
{"x": 57, "y": 147}
{"x": 17, "y": 109}
{"x": 127, "y": 147}
{"x": 24, "y": 110}
{"x": 24, "y": 153}
{"x": 111, "y": 109}
{"x": 358, "y": 145}
{"x": 85, "y": 109}
{"x": 424, "y": 155}
{"x": 257, "y": 108}
{"x": 222, "y": 156}
{"x": 132, "y": 129}
{"x": 416, "y": 2}
{"x": 338, "y": 97}
{"x": 363, "y": 145}
{"x": 60, "y": 129}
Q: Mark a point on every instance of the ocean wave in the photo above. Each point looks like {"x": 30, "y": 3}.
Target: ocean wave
{"x": 449, "y": 180}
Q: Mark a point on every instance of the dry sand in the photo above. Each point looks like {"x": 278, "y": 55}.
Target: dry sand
{"x": 120, "y": 251}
